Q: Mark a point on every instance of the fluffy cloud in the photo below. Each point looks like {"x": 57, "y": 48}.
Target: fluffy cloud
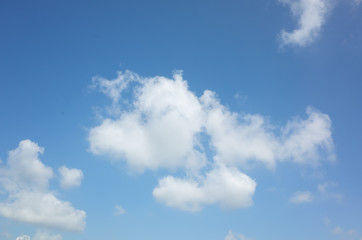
{"x": 25, "y": 179}
{"x": 24, "y": 169}
{"x": 160, "y": 131}
{"x": 165, "y": 125}
{"x": 238, "y": 139}
{"x": 42, "y": 209}
{"x": 235, "y": 236}
{"x": 225, "y": 186}
{"x": 70, "y": 177}
{"x": 311, "y": 15}
{"x": 301, "y": 197}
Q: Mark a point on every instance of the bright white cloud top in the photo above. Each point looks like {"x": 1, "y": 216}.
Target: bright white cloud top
{"x": 228, "y": 187}
{"x": 163, "y": 128}
{"x": 311, "y": 15}
{"x": 70, "y": 177}
{"x": 26, "y": 181}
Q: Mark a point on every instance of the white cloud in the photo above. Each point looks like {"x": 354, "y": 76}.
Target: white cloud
{"x": 119, "y": 210}
{"x": 23, "y": 237}
{"x": 167, "y": 126}
{"x": 70, "y": 177}
{"x": 227, "y": 187}
{"x": 311, "y": 15}
{"x": 41, "y": 235}
{"x": 42, "y": 209}
{"x": 308, "y": 140}
{"x": 160, "y": 131}
{"x": 26, "y": 179}
{"x": 301, "y": 197}
{"x": 235, "y": 236}
{"x": 113, "y": 88}
{"x": 238, "y": 139}
{"x": 24, "y": 169}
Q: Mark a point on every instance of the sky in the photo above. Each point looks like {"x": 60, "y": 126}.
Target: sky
{"x": 218, "y": 120}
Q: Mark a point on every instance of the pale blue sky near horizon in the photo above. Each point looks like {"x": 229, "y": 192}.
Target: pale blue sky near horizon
{"x": 51, "y": 50}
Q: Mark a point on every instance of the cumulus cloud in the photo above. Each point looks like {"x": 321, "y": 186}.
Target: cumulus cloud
{"x": 301, "y": 197}
{"x": 159, "y": 133}
{"x": 227, "y": 187}
{"x": 167, "y": 126}
{"x": 24, "y": 169}
{"x": 311, "y": 15}
{"x": 42, "y": 209}
{"x": 70, "y": 177}
{"x": 26, "y": 180}
{"x": 235, "y": 236}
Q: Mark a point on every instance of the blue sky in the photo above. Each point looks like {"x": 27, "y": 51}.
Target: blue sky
{"x": 220, "y": 120}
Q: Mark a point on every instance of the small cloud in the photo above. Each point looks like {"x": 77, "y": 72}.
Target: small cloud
{"x": 337, "y": 231}
{"x": 311, "y": 16}
{"x": 23, "y": 237}
{"x": 344, "y": 234}
{"x": 272, "y": 189}
{"x": 240, "y": 98}
{"x": 119, "y": 210}
{"x": 301, "y": 197}
{"x": 235, "y": 236}
{"x": 325, "y": 192}
{"x": 327, "y": 221}
{"x": 70, "y": 177}
{"x": 42, "y": 235}
{"x": 227, "y": 187}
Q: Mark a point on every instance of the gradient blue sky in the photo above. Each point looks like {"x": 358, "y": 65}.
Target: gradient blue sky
{"x": 55, "y": 56}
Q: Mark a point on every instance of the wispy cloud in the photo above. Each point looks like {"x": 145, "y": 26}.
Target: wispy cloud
{"x": 235, "y": 236}
{"x": 301, "y": 197}
{"x": 346, "y": 234}
{"x": 311, "y": 16}
{"x": 119, "y": 210}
